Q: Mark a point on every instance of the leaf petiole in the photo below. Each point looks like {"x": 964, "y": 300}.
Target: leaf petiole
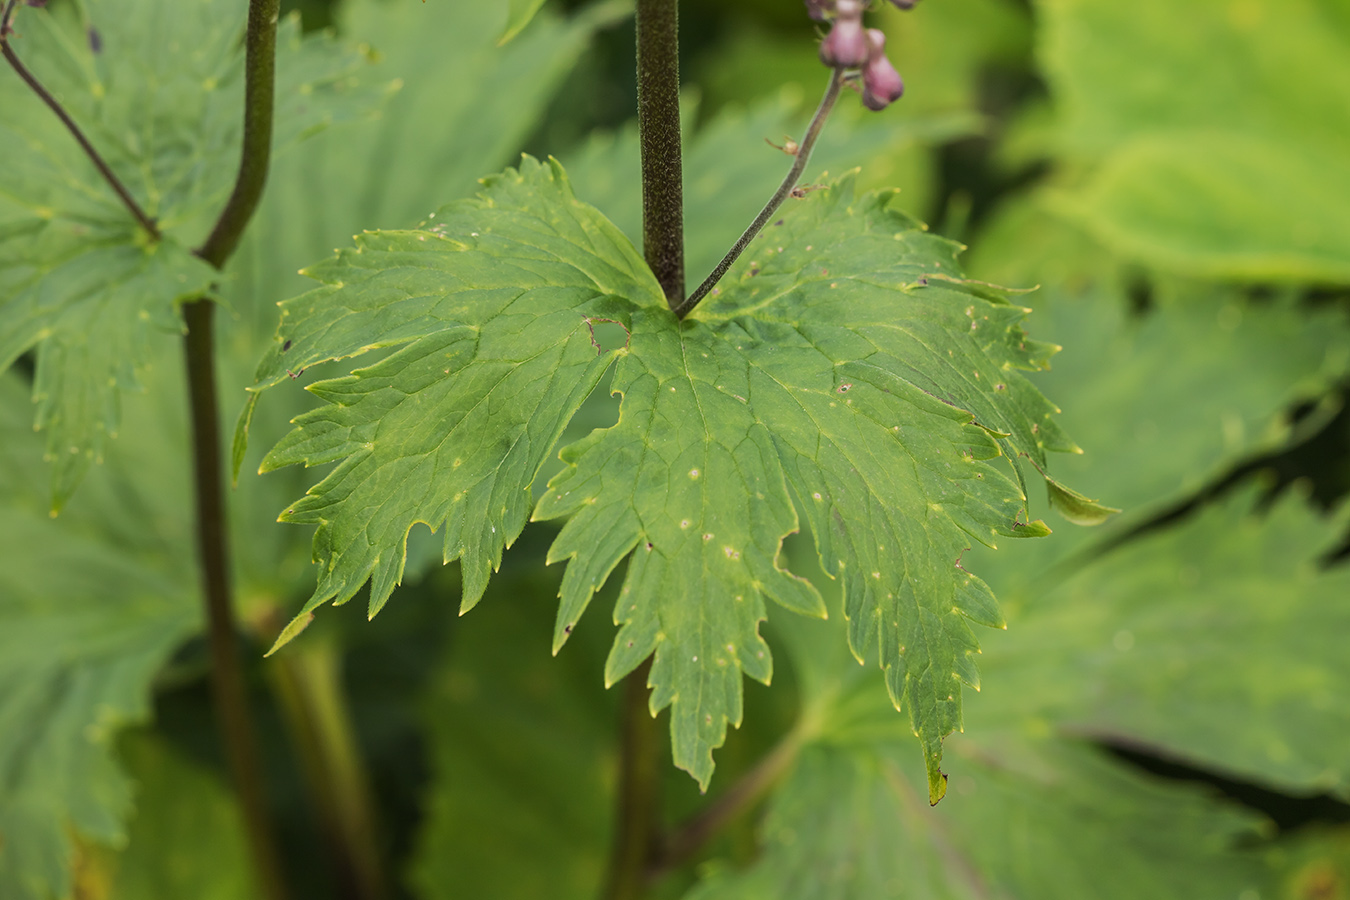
{"x": 55, "y": 106}
{"x": 785, "y": 190}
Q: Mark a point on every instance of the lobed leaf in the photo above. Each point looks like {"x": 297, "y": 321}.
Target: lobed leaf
{"x": 494, "y": 303}
{"x": 80, "y": 282}
{"x": 846, "y": 366}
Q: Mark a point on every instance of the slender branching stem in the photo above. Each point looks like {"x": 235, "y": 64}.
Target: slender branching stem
{"x": 685, "y": 841}
{"x": 259, "y": 95}
{"x": 658, "y": 77}
{"x": 785, "y": 189}
{"x": 227, "y": 679}
{"x": 636, "y": 819}
{"x": 55, "y": 106}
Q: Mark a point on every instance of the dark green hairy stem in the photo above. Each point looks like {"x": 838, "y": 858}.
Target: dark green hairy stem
{"x": 227, "y": 680}
{"x": 658, "y": 83}
{"x": 103, "y": 169}
{"x": 635, "y": 823}
{"x": 658, "y": 75}
{"x": 784, "y": 191}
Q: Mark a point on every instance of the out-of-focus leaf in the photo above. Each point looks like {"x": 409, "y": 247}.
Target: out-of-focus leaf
{"x": 435, "y": 140}
{"x": 159, "y": 93}
{"x": 1165, "y": 401}
{"x": 523, "y": 754}
{"x": 91, "y": 605}
{"x": 1041, "y": 822}
{"x": 1219, "y": 641}
{"x": 186, "y": 838}
{"x": 942, "y": 49}
{"x": 1224, "y": 163}
{"x": 519, "y": 14}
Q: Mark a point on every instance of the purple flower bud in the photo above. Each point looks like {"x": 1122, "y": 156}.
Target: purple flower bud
{"x": 95, "y": 40}
{"x": 817, "y": 9}
{"x": 845, "y": 47}
{"x": 882, "y": 85}
{"x": 905, "y": 4}
{"x": 849, "y": 9}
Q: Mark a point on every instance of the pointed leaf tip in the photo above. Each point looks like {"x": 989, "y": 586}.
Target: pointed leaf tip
{"x": 522, "y": 11}
{"x": 297, "y": 625}
{"x": 1075, "y": 507}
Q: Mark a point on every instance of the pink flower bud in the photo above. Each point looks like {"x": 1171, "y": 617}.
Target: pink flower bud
{"x": 882, "y": 85}
{"x": 845, "y": 47}
{"x": 817, "y": 9}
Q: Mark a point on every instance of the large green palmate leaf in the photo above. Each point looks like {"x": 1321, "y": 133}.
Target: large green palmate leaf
{"x": 845, "y": 365}
{"x": 1195, "y": 643}
{"x": 519, "y": 15}
{"x": 1227, "y": 163}
{"x": 159, "y": 91}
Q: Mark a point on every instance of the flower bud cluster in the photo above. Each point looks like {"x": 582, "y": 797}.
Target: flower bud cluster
{"x": 850, "y": 46}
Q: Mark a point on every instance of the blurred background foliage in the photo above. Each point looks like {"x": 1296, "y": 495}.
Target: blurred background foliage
{"x": 1168, "y": 714}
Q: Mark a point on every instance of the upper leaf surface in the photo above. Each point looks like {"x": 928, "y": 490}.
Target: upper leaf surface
{"x": 495, "y": 302}
{"x": 842, "y": 358}
{"x": 160, "y": 99}
{"x": 845, "y": 365}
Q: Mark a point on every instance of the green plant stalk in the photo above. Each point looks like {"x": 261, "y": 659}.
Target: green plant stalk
{"x": 685, "y": 841}
{"x": 227, "y": 679}
{"x": 260, "y": 65}
{"x": 803, "y": 156}
{"x": 636, "y": 819}
{"x": 658, "y": 82}
{"x": 308, "y": 683}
